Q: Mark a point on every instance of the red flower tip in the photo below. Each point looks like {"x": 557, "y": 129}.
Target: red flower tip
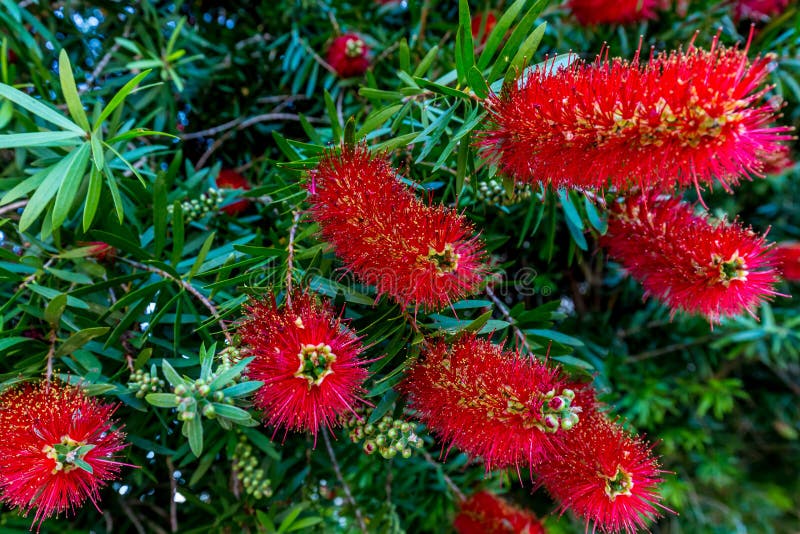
{"x": 418, "y": 254}
{"x": 347, "y": 55}
{"x": 486, "y": 513}
{"x": 686, "y": 261}
{"x": 778, "y": 161}
{"x": 58, "y": 449}
{"x": 230, "y": 179}
{"x": 308, "y": 360}
{"x": 100, "y": 250}
{"x": 759, "y": 10}
{"x": 12, "y": 57}
{"x": 684, "y": 118}
{"x": 488, "y": 26}
{"x": 493, "y": 403}
{"x": 593, "y": 12}
{"x": 605, "y": 476}
{"x": 788, "y": 258}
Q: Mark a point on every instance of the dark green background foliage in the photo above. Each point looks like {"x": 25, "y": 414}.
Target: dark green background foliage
{"x": 241, "y": 85}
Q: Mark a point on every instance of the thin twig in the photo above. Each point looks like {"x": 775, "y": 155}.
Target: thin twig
{"x": 290, "y": 257}
{"x": 134, "y": 519}
{"x": 325, "y": 65}
{"x": 362, "y": 525}
{"x": 189, "y": 288}
{"x": 51, "y": 354}
{"x": 449, "y": 481}
{"x": 646, "y": 355}
{"x": 101, "y": 65}
{"x": 13, "y": 206}
{"x": 173, "y": 490}
{"x": 523, "y": 339}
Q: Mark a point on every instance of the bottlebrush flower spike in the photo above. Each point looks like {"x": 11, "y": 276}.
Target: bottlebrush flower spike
{"x": 58, "y": 449}
{"x": 593, "y": 12}
{"x": 486, "y": 513}
{"x": 684, "y": 118}
{"x": 778, "y": 161}
{"x": 492, "y": 403}
{"x": 788, "y": 258}
{"x": 687, "y": 262}
{"x": 418, "y": 254}
{"x": 230, "y": 179}
{"x": 605, "y": 476}
{"x": 308, "y": 360}
{"x": 489, "y": 24}
{"x": 347, "y": 55}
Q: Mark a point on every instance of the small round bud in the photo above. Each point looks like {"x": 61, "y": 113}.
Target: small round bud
{"x": 556, "y": 404}
{"x": 369, "y": 446}
{"x": 180, "y": 390}
{"x": 380, "y": 440}
{"x": 369, "y": 429}
{"x": 209, "y": 411}
{"x": 405, "y": 427}
{"x": 204, "y": 390}
{"x": 568, "y": 393}
{"x": 406, "y": 453}
{"x": 551, "y": 423}
{"x": 393, "y": 434}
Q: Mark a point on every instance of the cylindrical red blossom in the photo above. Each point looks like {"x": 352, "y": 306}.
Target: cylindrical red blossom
{"x": 419, "y": 254}
{"x": 508, "y": 409}
{"x": 100, "y": 250}
{"x": 686, "y": 261}
{"x": 788, "y": 259}
{"x": 592, "y": 12}
{"x": 309, "y": 361}
{"x": 486, "y": 513}
{"x": 347, "y": 55}
{"x": 605, "y": 476}
{"x": 230, "y": 179}
{"x": 779, "y": 161}
{"x": 681, "y": 119}
{"x": 759, "y": 10}
{"x": 488, "y": 20}
{"x": 58, "y": 448}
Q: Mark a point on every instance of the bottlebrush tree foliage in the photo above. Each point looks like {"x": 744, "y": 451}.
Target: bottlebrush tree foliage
{"x": 399, "y": 266}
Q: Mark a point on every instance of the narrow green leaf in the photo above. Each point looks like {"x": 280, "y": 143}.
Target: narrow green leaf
{"x": 39, "y": 109}
{"x": 514, "y": 42}
{"x": 79, "y": 339}
{"x": 525, "y": 52}
{"x": 38, "y": 139}
{"x": 336, "y": 126}
{"x": 201, "y": 256}
{"x": 227, "y": 376}
{"x": 83, "y": 464}
{"x": 26, "y": 186}
{"x": 92, "y": 197}
{"x": 350, "y": 132}
{"x": 55, "y": 308}
{"x": 48, "y": 188}
{"x": 163, "y": 400}
{"x": 194, "y": 431}
{"x": 499, "y": 32}
{"x": 171, "y": 374}
{"x": 237, "y": 415}
{"x": 111, "y": 181}
{"x": 377, "y": 118}
{"x": 70, "y": 91}
{"x": 119, "y": 98}
{"x": 477, "y": 83}
{"x": 404, "y": 55}
{"x": 427, "y": 61}
{"x": 73, "y": 177}
{"x": 98, "y": 154}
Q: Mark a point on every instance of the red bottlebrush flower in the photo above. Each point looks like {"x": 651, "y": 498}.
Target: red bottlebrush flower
{"x": 100, "y": 250}
{"x": 605, "y": 476}
{"x": 778, "y": 161}
{"x": 489, "y": 24}
{"x": 348, "y": 55}
{"x": 759, "y": 10}
{"x": 230, "y": 179}
{"x": 788, "y": 259}
{"x": 308, "y": 360}
{"x": 686, "y": 261}
{"x": 416, "y": 253}
{"x": 593, "y": 12}
{"x": 685, "y": 118}
{"x": 492, "y": 403}
{"x": 58, "y": 449}
{"x": 486, "y": 513}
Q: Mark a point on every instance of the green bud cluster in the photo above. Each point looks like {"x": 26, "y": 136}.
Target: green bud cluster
{"x": 494, "y": 194}
{"x": 144, "y": 382}
{"x": 558, "y": 412}
{"x": 198, "y": 393}
{"x": 389, "y": 437}
{"x": 197, "y": 208}
{"x": 253, "y": 479}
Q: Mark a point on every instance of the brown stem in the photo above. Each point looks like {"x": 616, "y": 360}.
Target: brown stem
{"x": 360, "y": 518}
{"x": 190, "y": 289}
{"x": 290, "y": 257}
{"x": 449, "y": 481}
{"x": 173, "y": 490}
{"x": 51, "y": 354}
{"x": 521, "y": 337}
{"x": 13, "y": 206}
